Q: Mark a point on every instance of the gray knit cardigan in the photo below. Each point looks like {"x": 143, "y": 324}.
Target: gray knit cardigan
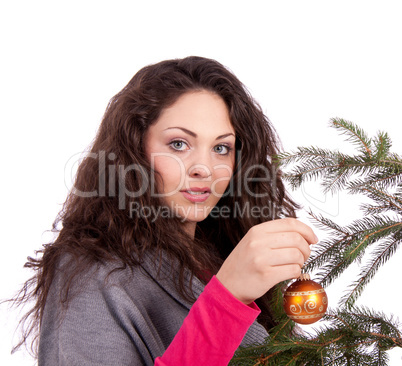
{"x": 119, "y": 318}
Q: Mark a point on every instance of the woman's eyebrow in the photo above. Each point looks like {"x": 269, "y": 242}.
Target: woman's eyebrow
{"x": 225, "y": 135}
{"x": 193, "y": 134}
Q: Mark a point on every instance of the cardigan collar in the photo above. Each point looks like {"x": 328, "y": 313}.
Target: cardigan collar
{"x": 163, "y": 270}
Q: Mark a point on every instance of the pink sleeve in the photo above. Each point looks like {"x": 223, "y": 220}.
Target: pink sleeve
{"x": 212, "y": 331}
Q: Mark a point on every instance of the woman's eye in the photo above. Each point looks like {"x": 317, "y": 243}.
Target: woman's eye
{"x": 178, "y": 145}
{"x": 222, "y": 149}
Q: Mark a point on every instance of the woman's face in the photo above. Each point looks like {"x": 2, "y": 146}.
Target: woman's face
{"x": 191, "y": 146}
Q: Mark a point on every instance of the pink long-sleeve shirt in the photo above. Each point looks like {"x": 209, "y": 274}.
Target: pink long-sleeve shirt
{"x": 212, "y": 331}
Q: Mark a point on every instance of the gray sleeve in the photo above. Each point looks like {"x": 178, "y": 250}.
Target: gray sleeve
{"x": 101, "y": 326}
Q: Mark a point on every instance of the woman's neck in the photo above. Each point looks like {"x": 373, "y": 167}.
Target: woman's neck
{"x": 189, "y": 228}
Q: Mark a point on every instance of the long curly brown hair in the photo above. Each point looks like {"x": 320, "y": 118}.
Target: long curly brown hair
{"x": 95, "y": 224}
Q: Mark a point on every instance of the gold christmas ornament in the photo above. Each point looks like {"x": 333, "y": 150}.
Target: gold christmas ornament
{"x": 305, "y": 301}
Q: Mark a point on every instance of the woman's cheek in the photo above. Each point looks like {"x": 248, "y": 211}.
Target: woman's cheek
{"x": 222, "y": 179}
{"x": 171, "y": 169}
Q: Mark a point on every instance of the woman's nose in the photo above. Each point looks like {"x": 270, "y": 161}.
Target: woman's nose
{"x": 200, "y": 171}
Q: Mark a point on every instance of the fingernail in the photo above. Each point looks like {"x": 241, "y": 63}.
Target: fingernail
{"x": 316, "y": 239}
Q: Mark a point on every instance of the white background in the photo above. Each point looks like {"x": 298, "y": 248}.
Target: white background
{"x": 304, "y": 61}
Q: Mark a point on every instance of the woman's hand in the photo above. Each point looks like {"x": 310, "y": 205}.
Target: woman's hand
{"x": 269, "y": 253}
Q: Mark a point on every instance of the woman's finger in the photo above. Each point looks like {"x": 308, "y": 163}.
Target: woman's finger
{"x": 289, "y": 225}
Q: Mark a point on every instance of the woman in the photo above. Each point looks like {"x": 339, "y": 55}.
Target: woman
{"x": 176, "y": 229}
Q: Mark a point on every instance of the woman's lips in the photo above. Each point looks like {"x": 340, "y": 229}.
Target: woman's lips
{"x": 196, "y": 194}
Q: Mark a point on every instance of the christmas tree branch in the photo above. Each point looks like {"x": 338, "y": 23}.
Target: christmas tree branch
{"x": 338, "y": 259}
{"x": 383, "y": 196}
{"x": 380, "y": 257}
{"x": 345, "y": 336}
{"x": 356, "y": 134}
{"x": 379, "y": 169}
{"x": 368, "y": 237}
{"x": 387, "y": 177}
{"x": 336, "y": 168}
{"x": 349, "y": 335}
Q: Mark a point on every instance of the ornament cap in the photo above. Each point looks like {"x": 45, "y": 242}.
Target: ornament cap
{"x": 304, "y": 277}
